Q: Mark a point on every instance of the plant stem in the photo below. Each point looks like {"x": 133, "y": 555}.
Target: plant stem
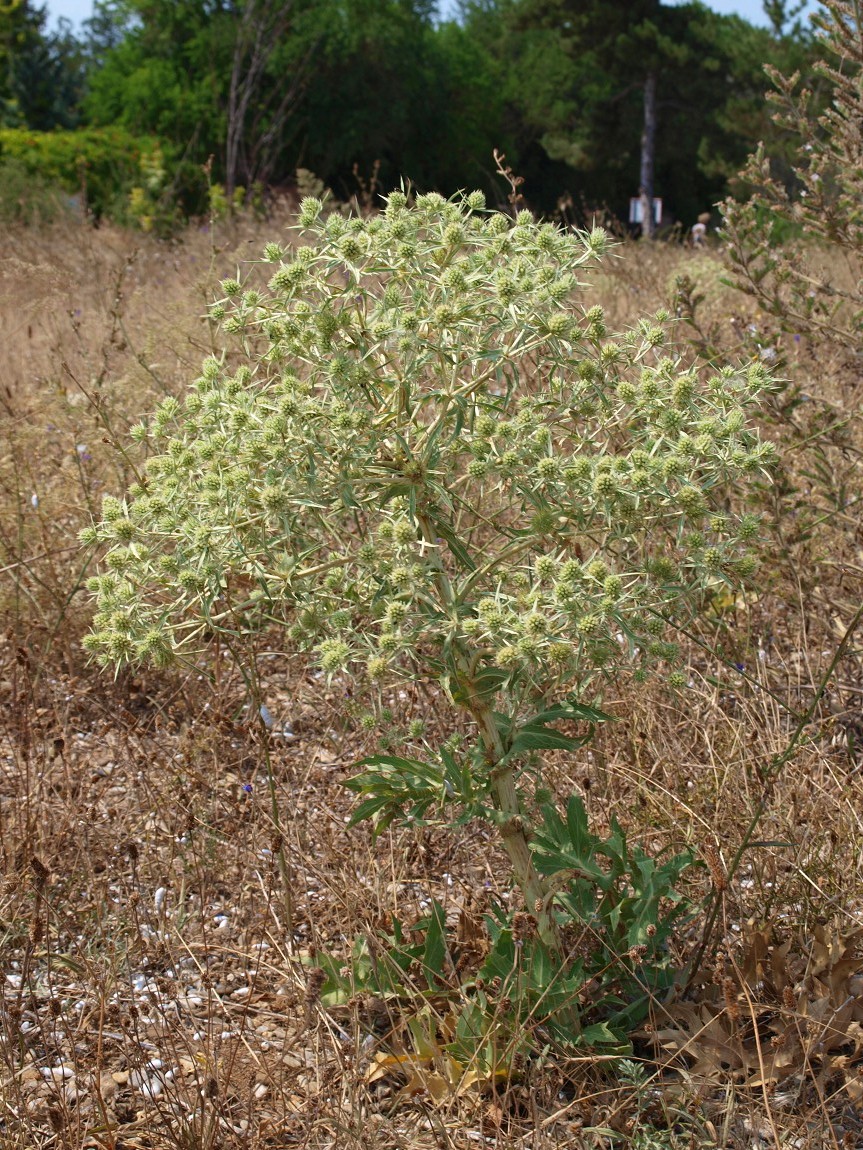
{"x": 514, "y": 828}
{"x": 515, "y": 831}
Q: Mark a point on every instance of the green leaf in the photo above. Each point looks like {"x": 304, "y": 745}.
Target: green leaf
{"x": 570, "y": 847}
{"x": 392, "y": 768}
{"x": 368, "y": 809}
{"x": 578, "y": 712}
{"x": 601, "y": 1034}
{"x": 489, "y": 680}
{"x": 434, "y": 954}
{"x": 535, "y": 737}
{"x": 393, "y": 492}
{"x": 455, "y": 545}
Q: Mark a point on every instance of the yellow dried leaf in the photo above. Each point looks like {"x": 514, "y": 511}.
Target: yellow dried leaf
{"x": 481, "y": 1079}
{"x": 383, "y": 1065}
{"x": 431, "y": 1083}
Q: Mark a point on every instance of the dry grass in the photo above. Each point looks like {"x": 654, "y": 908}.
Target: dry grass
{"x": 155, "y": 959}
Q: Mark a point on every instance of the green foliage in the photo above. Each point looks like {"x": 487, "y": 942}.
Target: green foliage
{"x": 624, "y": 902}
{"x": 396, "y": 787}
{"x": 345, "y": 83}
{"x": 406, "y": 962}
{"x": 41, "y": 73}
{"x": 572, "y": 75}
{"x": 391, "y": 86}
{"x": 100, "y": 165}
{"x": 150, "y": 205}
{"x": 616, "y": 908}
{"x": 344, "y": 87}
{"x": 162, "y": 69}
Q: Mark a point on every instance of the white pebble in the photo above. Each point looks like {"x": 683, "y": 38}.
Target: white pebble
{"x": 56, "y": 1073}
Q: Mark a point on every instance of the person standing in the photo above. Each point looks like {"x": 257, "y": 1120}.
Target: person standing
{"x": 698, "y": 234}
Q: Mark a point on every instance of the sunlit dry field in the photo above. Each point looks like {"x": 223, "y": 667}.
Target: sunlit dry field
{"x": 159, "y": 984}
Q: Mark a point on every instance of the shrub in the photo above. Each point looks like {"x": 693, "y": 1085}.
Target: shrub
{"x": 776, "y": 239}
{"x": 798, "y": 256}
{"x": 99, "y": 164}
{"x": 434, "y": 463}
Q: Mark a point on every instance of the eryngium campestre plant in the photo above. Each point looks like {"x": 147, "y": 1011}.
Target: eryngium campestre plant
{"x": 435, "y": 463}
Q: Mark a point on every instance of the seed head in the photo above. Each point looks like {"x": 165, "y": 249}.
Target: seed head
{"x": 690, "y": 500}
{"x": 507, "y": 656}
{"x": 548, "y": 468}
{"x": 712, "y": 558}
{"x": 545, "y": 568}
{"x": 627, "y": 391}
{"x": 559, "y": 653}
{"x": 588, "y": 624}
{"x": 605, "y": 486}
{"x": 558, "y": 325}
{"x": 350, "y": 247}
{"x": 404, "y": 532}
{"x": 310, "y": 209}
{"x": 333, "y": 654}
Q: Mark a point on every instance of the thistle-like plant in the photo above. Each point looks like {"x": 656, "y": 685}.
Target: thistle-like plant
{"x": 435, "y": 464}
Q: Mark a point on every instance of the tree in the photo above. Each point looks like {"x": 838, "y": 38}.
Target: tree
{"x": 623, "y": 95}
{"x": 258, "y": 110}
{"x": 390, "y": 87}
{"x": 211, "y": 76}
{"x": 618, "y": 95}
{"x": 599, "y": 56}
{"x": 106, "y": 29}
{"x": 162, "y": 68}
{"x": 269, "y": 85}
{"x": 41, "y": 74}
{"x": 784, "y": 12}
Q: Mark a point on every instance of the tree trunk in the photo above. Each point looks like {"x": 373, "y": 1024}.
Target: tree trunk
{"x": 258, "y": 107}
{"x": 648, "y": 156}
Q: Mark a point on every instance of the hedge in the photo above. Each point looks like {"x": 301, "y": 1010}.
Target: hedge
{"x": 99, "y": 164}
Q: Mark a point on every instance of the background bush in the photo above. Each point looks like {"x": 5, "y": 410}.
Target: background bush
{"x": 101, "y": 165}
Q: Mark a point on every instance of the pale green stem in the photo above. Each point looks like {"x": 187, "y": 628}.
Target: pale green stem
{"x": 514, "y": 828}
